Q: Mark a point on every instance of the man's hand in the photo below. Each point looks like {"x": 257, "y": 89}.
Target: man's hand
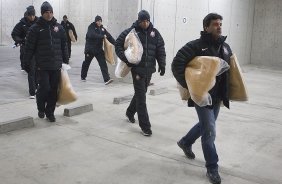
{"x": 129, "y": 64}
{"x": 161, "y": 70}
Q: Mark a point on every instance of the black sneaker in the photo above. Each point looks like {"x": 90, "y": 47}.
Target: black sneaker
{"x": 41, "y": 114}
{"x": 214, "y": 177}
{"x": 130, "y": 119}
{"x": 146, "y": 132}
{"x": 51, "y": 118}
{"x": 187, "y": 150}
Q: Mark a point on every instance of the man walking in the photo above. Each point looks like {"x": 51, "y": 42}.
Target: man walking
{"x": 68, "y": 26}
{"x": 47, "y": 41}
{"x": 153, "y": 49}
{"x": 19, "y": 35}
{"x": 211, "y": 43}
{"x": 94, "y": 48}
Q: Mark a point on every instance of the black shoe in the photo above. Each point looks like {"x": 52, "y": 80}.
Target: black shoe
{"x": 146, "y": 132}
{"x": 130, "y": 119}
{"x": 41, "y": 114}
{"x": 51, "y": 118}
{"x": 187, "y": 150}
{"x": 214, "y": 177}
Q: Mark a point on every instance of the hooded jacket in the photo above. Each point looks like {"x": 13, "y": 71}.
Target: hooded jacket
{"x": 205, "y": 46}
{"x": 46, "y": 40}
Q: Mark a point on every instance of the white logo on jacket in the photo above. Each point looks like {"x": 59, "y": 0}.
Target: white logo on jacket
{"x": 56, "y": 28}
{"x": 153, "y": 34}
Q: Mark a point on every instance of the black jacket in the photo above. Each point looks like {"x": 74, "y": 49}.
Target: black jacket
{"x": 153, "y": 49}
{"x": 47, "y": 41}
{"x": 20, "y": 30}
{"x": 94, "y": 39}
{"x": 205, "y": 46}
{"x": 69, "y": 26}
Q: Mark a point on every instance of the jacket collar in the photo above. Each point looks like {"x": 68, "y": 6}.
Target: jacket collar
{"x": 207, "y": 37}
{"x": 138, "y": 28}
{"x": 25, "y": 21}
{"x": 42, "y": 21}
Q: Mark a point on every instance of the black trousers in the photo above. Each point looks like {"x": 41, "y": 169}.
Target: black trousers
{"x": 138, "y": 102}
{"x": 21, "y": 57}
{"x": 69, "y": 48}
{"x": 102, "y": 63}
{"x": 32, "y": 79}
{"x": 47, "y": 90}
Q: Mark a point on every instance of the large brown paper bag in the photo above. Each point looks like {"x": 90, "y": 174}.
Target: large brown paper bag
{"x": 121, "y": 69}
{"x": 109, "y": 52}
{"x": 66, "y": 94}
{"x": 238, "y": 90}
{"x": 133, "y": 48}
{"x": 200, "y": 76}
{"x": 72, "y": 37}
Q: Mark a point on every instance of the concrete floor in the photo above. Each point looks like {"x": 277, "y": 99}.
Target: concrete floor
{"x": 102, "y": 147}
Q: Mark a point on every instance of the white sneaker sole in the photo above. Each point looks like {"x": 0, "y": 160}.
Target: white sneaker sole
{"x": 110, "y": 81}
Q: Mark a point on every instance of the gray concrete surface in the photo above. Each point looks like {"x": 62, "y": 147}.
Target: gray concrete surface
{"x": 101, "y": 147}
{"x": 77, "y": 110}
{"x": 16, "y": 124}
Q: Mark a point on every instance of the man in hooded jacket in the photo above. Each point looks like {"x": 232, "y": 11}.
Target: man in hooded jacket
{"x": 46, "y": 40}
{"x": 153, "y": 49}
{"x": 94, "y": 48}
{"x": 19, "y": 35}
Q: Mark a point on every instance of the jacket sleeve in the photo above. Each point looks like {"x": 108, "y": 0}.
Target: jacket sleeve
{"x": 73, "y": 30}
{"x": 110, "y": 38}
{"x": 64, "y": 47}
{"x": 161, "y": 54}
{"x": 30, "y": 45}
{"x": 180, "y": 61}
{"x": 17, "y": 33}
{"x": 91, "y": 34}
{"x": 119, "y": 47}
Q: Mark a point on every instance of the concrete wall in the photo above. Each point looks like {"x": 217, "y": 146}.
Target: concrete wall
{"x": 12, "y": 11}
{"x": 267, "y": 35}
{"x": 168, "y": 17}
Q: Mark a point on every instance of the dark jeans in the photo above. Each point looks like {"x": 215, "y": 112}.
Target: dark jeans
{"x": 32, "y": 79}
{"x": 206, "y": 129}
{"x": 138, "y": 102}
{"x": 47, "y": 90}
{"x": 69, "y": 48}
{"x": 102, "y": 63}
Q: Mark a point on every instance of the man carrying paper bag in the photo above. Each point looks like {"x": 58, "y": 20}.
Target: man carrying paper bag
{"x": 211, "y": 43}
{"x": 142, "y": 70}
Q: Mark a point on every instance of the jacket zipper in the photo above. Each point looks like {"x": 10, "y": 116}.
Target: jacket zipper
{"x": 51, "y": 41}
{"x": 146, "y": 59}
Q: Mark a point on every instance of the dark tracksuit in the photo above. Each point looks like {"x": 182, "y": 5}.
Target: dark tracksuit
{"x": 69, "y": 26}
{"x": 19, "y": 34}
{"x": 47, "y": 41}
{"x": 94, "y": 48}
{"x": 153, "y": 46}
{"x": 205, "y": 128}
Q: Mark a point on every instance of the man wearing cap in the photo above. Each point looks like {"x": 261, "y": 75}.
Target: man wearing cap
{"x": 68, "y": 26}
{"x": 94, "y": 48}
{"x": 19, "y": 34}
{"x": 47, "y": 41}
{"x": 153, "y": 49}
